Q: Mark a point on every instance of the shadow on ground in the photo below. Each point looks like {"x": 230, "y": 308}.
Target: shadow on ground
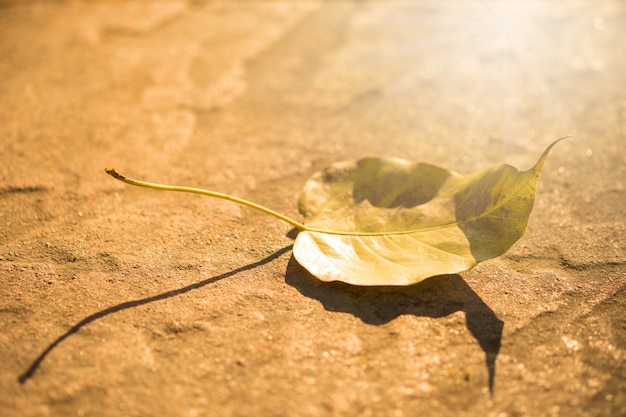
{"x": 435, "y": 297}
{"x": 136, "y": 303}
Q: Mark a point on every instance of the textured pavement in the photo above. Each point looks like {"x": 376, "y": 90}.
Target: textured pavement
{"x": 122, "y": 301}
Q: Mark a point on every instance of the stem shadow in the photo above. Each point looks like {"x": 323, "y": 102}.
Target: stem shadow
{"x": 435, "y": 297}
{"x": 135, "y": 303}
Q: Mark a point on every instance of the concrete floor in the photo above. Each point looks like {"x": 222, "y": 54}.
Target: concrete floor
{"x": 123, "y": 301}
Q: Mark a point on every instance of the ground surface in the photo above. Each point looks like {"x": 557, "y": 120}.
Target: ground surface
{"x": 116, "y": 300}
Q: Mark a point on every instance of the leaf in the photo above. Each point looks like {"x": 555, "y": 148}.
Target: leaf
{"x": 382, "y": 221}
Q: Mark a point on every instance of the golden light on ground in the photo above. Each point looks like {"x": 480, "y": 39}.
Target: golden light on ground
{"x": 507, "y": 25}
{"x": 489, "y": 28}
{"x": 120, "y": 301}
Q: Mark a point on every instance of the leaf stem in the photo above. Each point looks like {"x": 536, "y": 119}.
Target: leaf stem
{"x": 300, "y": 226}
{"x": 112, "y": 172}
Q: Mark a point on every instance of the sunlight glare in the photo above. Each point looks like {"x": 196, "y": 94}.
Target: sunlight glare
{"x": 508, "y": 24}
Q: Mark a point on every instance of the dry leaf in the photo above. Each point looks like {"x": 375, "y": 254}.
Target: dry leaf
{"x": 380, "y": 221}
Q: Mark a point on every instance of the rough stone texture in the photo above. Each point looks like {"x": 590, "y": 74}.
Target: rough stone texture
{"x": 123, "y": 301}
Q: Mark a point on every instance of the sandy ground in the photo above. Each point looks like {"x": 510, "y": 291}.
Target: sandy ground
{"x": 120, "y": 301}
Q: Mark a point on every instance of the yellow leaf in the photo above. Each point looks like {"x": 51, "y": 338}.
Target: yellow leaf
{"x": 381, "y": 221}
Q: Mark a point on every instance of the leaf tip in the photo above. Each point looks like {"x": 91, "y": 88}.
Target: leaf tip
{"x": 542, "y": 160}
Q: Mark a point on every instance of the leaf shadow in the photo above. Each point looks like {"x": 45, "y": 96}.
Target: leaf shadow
{"x": 32, "y": 368}
{"x": 435, "y": 297}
